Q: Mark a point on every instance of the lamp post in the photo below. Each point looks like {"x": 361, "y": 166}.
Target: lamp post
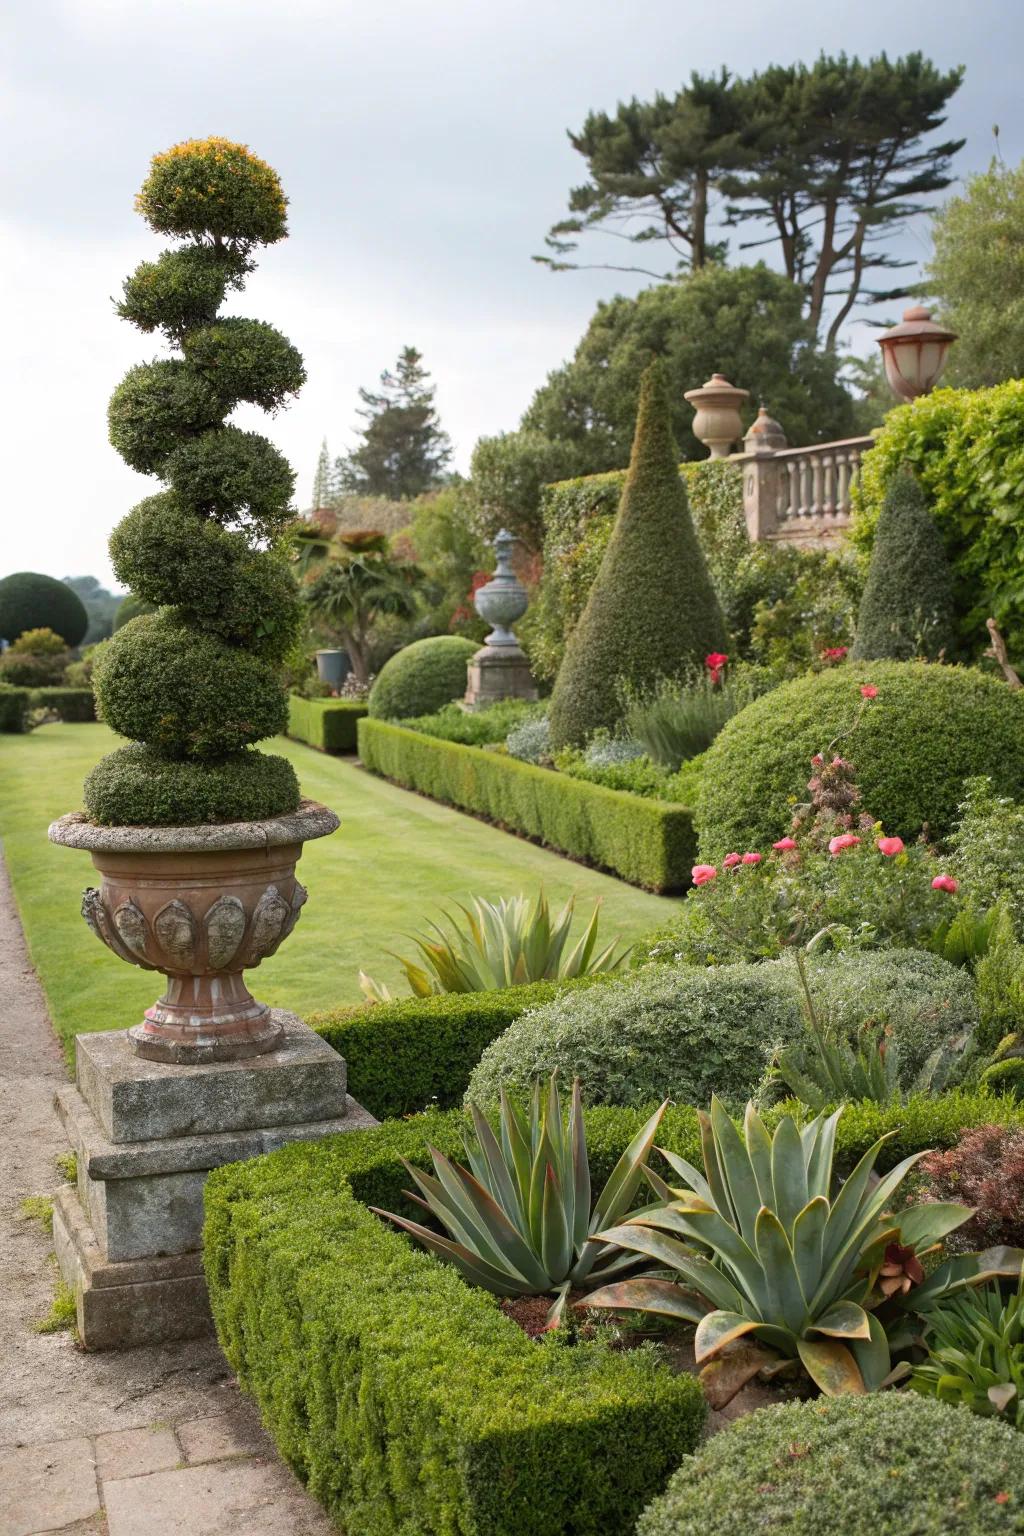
{"x": 914, "y": 353}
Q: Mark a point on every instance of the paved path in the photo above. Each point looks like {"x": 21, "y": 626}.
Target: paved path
{"x": 145, "y": 1442}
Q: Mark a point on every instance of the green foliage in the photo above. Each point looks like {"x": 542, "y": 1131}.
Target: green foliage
{"x": 29, "y": 600}
{"x": 481, "y": 727}
{"x": 328, "y": 724}
{"x": 233, "y": 477}
{"x": 75, "y": 706}
{"x": 212, "y": 187}
{"x": 530, "y": 742}
{"x": 891, "y": 1462}
{"x": 687, "y": 1033}
{"x": 966, "y": 448}
{"x": 154, "y": 406}
{"x": 137, "y": 786}
{"x": 131, "y": 607}
{"x": 906, "y": 612}
{"x": 798, "y": 605}
{"x": 652, "y": 610}
{"x": 180, "y": 290}
{"x": 976, "y": 1354}
{"x": 506, "y": 943}
{"x": 509, "y": 473}
{"x": 351, "y": 591}
{"x": 246, "y": 360}
{"x": 988, "y": 850}
{"x": 522, "y": 1222}
{"x": 646, "y": 842}
{"x": 443, "y": 538}
{"x": 414, "y": 1053}
{"x": 185, "y": 693}
{"x": 679, "y": 720}
{"x": 32, "y": 669}
{"x": 636, "y": 775}
{"x": 422, "y": 678}
{"x": 977, "y": 275}
{"x": 63, "y": 1313}
{"x": 100, "y": 605}
{"x": 404, "y": 450}
{"x": 38, "y": 642}
{"x": 14, "y": 707}
{"x": 929, "y": 730}
{"x": 286, "y": 1239}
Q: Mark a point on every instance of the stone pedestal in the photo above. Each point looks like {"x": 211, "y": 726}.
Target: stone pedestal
{"x": 146, "y": 1134}
{"x": 498, "y": 672}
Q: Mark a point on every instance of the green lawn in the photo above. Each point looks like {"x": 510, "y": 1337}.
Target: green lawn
{"x": 396, "y": 858}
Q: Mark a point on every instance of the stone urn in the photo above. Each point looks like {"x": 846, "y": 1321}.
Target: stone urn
{"x": 717, "y": 423}
{"x": 201, "y": 905}
{"x": 503, "y": 599}
{"x": 499, "y": 669}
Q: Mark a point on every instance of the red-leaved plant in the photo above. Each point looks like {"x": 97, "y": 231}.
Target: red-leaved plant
{"x": 986, "y": 1170}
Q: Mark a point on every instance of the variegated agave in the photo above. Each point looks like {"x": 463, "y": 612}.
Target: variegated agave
{"x": 519, "y": 1219}
{"x": 759, "y": 1249}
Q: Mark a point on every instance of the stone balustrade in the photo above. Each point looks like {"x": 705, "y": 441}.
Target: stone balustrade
{"x": 800, "y": 495}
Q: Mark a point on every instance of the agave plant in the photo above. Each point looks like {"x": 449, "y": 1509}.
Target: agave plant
{"x": 520, "y": 1217}
{"x": 760, "y": 1248}
{"x": 505, "y": 944}
{"x": 976, "y": 1354}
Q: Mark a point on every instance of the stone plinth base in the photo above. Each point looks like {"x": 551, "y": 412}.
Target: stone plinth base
{"x": 498, "y": 672}
{"x": 145, "y": 1136}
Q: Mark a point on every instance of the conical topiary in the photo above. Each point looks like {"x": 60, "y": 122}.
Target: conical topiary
{"x": 196, "y": 683}
{"x": 652, "y": 611}
{"x": 906, "y": 612}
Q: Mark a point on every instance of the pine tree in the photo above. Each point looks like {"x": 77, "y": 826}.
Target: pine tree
{"x": 323, "y": 487}
{"x": 652, "y": 611}
{"x": 404, "y": 449}
{"x": 907, "y": 608}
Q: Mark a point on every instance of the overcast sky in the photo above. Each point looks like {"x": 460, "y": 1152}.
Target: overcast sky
{"x": 423, "y": 149}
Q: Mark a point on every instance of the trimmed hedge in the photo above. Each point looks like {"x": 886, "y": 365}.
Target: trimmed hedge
{"x": 135, "y": 786}
{"x": 403, "y": 1398}
{"x": 75, "y": 706}
{"x": 30, "y": 600}
{"x": 418, "y": 1052}
{"x": 327, "y": 724}
{"x": 14, "y": 707}
{"x": 422, "y": 677}
{"x": 650, "y": 843}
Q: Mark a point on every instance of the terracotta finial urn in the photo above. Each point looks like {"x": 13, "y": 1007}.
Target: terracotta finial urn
{"x": 717, "y": 423}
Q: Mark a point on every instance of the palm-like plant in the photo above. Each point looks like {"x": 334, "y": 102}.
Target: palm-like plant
{"x": 359, "y": 584}
{"x": 761, "y": 1249}
{"x": 520, "y": 1217}
{"x": 506, "y": 943}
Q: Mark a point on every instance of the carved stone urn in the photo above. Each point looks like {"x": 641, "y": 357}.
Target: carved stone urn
{"x": 500, "y": 670}
{"x": 201, "y": 905}
{"x": 717, "y": 423}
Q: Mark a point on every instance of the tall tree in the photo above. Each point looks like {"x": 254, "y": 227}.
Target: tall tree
{"x": 323, "y": 480}
{"x": 404, "y": 449}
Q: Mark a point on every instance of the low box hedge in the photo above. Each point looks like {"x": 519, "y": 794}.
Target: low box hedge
{"x": 418, "y": 1052}
{"x": 650, "y": 843}
{"x": 14, "y": 707}
{"x": 405, "y": 1400}
{"x": 327, "y": 724}
{"x": 76, "y": 706}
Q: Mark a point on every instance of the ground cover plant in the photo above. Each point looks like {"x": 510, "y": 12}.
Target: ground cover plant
{"x": 976, "y": 1354}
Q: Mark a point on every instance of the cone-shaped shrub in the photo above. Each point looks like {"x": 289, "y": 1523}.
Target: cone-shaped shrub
{"x": 196, "y": 684}
{"x": 652, "y": 611}
{"x": 906, "y": 612}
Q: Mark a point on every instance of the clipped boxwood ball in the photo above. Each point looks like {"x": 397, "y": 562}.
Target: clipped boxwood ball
{"x": 214, "y": 187}
{"x": 215, "y": 579}
{"x": 30, "y": 600}
{"x": 229, "y": 474}
{"x": 859, "y": 1466}
{"x": 929, "y": 728}
{"x": 155, "y": 406}
{"x": 138, "y": 787}
{"x": 246, "y": 360}
{"x": 184, "y": 692}
{"x": 180, "y": 289}
{"x": 422, "y": 678}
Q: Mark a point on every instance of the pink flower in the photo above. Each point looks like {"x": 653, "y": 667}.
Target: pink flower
{"x": 785, "y": 845}
{"x": 845, "y": 840}
{"x": 751, "y": 858}
{"x": 714, "y": 662}
{"x": 730, "y": 861}
{"x": 833, "y": 653}
{"x": 702, "y": 873}
{"x": 889, "y": 846}
{"x": 945, "y": 883}
{"x": 869, "y": 691}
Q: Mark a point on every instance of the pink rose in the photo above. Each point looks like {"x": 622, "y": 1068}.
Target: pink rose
{"x": 730, "y": 861}
{"x": 889, "y": 846}
{"x": 869, "y": 691}
{"x": 945, "y": 883}
{"x": 845, "y": 840}
{"x": 785, "y": 845}
{"x": 702, "y": 873}
{"x": 751, "y": 858}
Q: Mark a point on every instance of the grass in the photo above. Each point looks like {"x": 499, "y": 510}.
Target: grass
{"x": 63, "y": 1311}
{"x": 37, "y": 1208}
{"x": 396, "y": 859}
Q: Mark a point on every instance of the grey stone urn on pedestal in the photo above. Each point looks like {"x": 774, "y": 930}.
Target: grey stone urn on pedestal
{"x": 500, "y": 670}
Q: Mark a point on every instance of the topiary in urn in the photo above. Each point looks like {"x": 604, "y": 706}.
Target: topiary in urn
{"x": 196, "y": 831}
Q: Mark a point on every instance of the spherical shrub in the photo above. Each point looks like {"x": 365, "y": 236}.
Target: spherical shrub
{"x": 214, "y": 187}
{"x": 859, "y": 1466}
{"x": 246, "y": 360}
{"x": 180, "y": 289}
{"x": 422, "y": 677}
{"x": 39, "y": 642}
{"x": 29, "y": 600}
{"x": 929, "y": 729}
{"x": 185, "y": 693}
{"x": 232, "y": 475}
{"x": 686, "y": 1033}
{"x": 130, "y": 607}
{"x": 155, "y": 406}
{"x": 137, "y": 787}
{"x": 217, "y": 581}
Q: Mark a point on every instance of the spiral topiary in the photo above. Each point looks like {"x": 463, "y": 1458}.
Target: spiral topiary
{"x": 195, "y": 685}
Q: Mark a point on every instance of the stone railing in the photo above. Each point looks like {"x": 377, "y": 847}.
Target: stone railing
{"x": 800, "y": 495}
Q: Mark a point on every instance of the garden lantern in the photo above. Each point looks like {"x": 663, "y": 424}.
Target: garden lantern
{"x": 914, "y": 353}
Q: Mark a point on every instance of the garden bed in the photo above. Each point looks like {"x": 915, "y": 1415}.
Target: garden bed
{"x": 327, "y": 724}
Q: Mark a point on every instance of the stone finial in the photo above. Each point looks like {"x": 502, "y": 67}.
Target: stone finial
{"x": 765, "y": 434}
{"x": 500, "y": 670}
{"x": 717, "y": 423}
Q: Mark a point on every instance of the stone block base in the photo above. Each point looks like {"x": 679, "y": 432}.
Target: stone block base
{"x": 498, "y": 672}
{"x": 145, "y": 1137}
